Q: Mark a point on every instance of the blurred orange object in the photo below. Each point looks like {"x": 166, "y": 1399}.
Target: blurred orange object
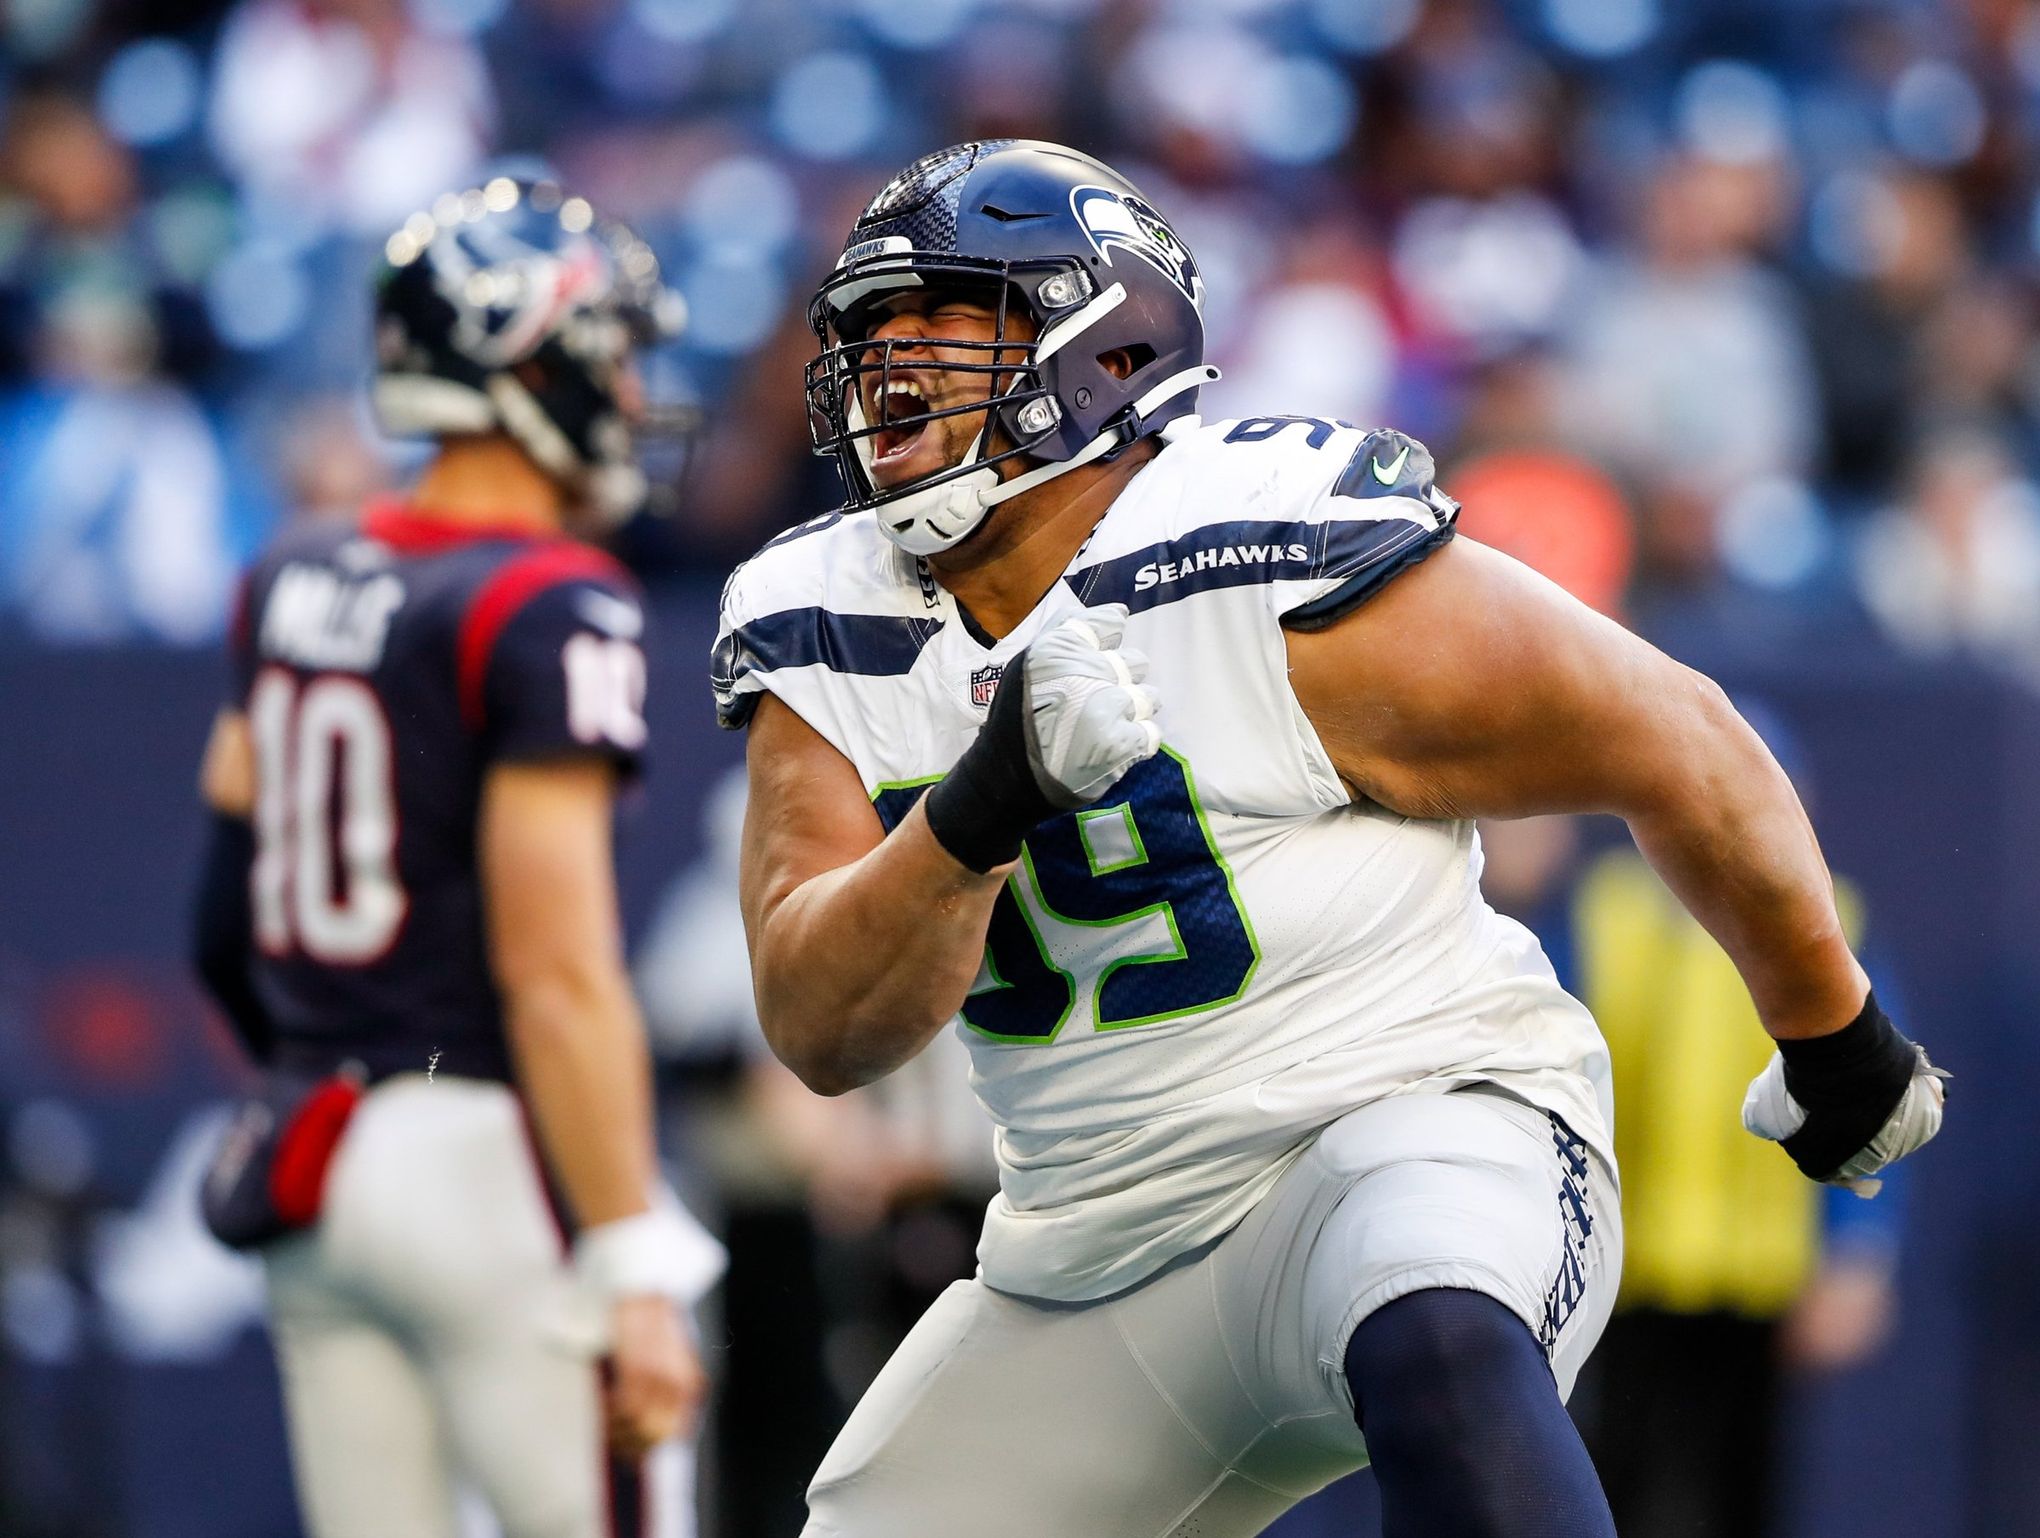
{"x": 1556, "y": 513}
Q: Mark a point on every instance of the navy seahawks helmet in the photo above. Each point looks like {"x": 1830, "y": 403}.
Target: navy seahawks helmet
{"x": 514, "y": 307}
{"x": 1037, "y": 228}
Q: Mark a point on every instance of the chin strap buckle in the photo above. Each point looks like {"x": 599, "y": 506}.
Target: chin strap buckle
{"x": 1134, "y": 417}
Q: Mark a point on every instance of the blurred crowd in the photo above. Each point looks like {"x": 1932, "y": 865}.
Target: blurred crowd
{"x": 1719, "y": 312}
{"x": 1702, "y": 299}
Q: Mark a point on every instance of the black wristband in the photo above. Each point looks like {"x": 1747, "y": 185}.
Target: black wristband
{"x": 989, "y": 801}
{"x": 1848, "y": 1083}
{"x": 222, "y": 932}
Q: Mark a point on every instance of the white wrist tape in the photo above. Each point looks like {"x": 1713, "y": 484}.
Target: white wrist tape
{"x": 663, "y": 1252}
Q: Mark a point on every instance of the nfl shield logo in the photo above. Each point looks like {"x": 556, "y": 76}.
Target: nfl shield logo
{"x": 984, "y": 683}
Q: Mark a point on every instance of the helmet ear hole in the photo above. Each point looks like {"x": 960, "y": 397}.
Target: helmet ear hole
{"x": 1125, "y": 362}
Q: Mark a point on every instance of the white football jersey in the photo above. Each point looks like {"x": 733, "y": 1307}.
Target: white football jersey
{"x": 1187, "y": 980}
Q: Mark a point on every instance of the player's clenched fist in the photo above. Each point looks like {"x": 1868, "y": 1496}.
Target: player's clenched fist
{"x": 1090, "y": 718}
{"x": 1071, "y": 716}
{"x": 1846, "y": 1105}
{"x": 656, "y": 1383}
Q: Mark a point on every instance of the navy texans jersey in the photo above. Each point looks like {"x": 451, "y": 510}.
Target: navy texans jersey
{"x": 383, "y": 668}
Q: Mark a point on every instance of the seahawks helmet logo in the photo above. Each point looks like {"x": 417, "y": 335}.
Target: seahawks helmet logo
{"x": 1114, "y": 221}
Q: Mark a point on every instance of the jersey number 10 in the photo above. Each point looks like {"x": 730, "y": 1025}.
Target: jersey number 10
{"x": 325, "y": 874}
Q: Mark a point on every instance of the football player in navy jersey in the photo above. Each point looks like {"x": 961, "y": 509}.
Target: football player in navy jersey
{"x": 409, "y": 912}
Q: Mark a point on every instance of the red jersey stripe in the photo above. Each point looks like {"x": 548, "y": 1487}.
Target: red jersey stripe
{"x": 509, "y": 589}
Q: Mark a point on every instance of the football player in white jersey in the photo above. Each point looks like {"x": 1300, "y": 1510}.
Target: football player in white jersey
{"x": 1146, "y": 752}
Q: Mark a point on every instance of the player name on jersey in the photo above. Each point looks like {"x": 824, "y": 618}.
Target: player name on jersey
{"x": 317, "y": 617}
{"x": 1157, "y": 572}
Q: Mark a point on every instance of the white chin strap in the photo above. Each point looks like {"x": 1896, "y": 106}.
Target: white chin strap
{"x": 422, "y": 405}
{"x": 931, "y": 520}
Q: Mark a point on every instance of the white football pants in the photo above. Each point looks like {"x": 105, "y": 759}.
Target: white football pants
{"x": 1210, "y": 1398}
{"x": 433, "y": 1343}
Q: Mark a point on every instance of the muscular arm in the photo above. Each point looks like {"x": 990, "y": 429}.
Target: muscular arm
{"x": 1471, "y": 687}
{"x": 557, "y": 952}
{"x": 863, "y": 944}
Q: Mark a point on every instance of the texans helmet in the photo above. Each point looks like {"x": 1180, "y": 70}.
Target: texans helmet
{"x": 514, "y": 307}
{"x": 1037, "y": 228}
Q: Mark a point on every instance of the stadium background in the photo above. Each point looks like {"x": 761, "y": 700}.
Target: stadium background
{"x": 1723, "y": 310}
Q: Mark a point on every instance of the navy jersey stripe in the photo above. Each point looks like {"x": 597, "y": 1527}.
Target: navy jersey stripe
{"x": 876, "y": 645}
{"x": 1247, "y": 552}
{"x": 1236, "y": 554}
{"x": 893, "y": 802}
{"x": 1372, "y": 575}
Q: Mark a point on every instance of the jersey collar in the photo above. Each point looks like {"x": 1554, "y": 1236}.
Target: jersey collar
{"x": 402, "y": 526}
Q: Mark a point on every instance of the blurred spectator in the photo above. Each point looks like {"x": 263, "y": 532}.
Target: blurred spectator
{"x": 330, "y": 466}
{"x": 1213, "y": 98}
{"x": 344, "y": 112}
{"x": 1316, "y": 341}
{"x": 1892, "y": 343}
{"x": 120, "y": 512}
{"x": 1525, "y": 489}
{"x": 1978, "y": 361}
{"x": 1471, "y": 110}
{"x": 79, "y": 183}
{"x": 1689, "y": 369}
{"x": 1955, "y": 565}
{"x": 1014, "y": 76}
{"x": 114, "y": 487}
{"x": 1555, "y": 512}
{"x": 1731, "y": 1275}
{"x": 1485, "y": 253}
{"x": 70, "y": 221}
{"x": 1386, "y": 201}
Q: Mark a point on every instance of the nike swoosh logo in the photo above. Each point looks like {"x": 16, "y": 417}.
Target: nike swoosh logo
{"x": 1386, "y": 474}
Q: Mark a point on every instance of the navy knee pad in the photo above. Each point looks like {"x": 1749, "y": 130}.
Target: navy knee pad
{"x": 1464, "y": 1424}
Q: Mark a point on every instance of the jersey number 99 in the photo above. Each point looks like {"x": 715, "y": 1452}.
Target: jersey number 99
{"x": 1141, "y": 852}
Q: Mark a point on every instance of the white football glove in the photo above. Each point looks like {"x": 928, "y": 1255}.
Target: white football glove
{"x": 1770, "y": 1112}
{"x": 1090, "y": 718}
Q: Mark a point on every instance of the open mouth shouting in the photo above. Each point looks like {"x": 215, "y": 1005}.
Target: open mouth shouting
{"x": 901, "y": 411}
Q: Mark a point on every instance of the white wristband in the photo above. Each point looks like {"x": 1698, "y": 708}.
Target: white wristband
{"x": 663, "y": 1251}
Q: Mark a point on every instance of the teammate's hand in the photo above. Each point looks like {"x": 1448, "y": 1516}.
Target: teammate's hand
{"x": 1846, "y": 1105}
{"x": 655, "y": 1380}
{"x": 1071, "y": 716}
{"x": 1089, "y": 716}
